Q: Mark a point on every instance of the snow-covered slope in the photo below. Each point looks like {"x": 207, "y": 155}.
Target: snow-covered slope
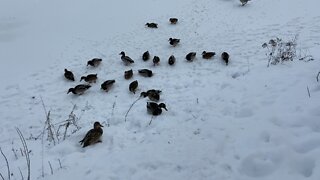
{"x": 241, "y": 121}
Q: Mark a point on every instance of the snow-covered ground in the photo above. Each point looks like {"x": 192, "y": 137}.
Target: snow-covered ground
{"x": 237, "y": 122}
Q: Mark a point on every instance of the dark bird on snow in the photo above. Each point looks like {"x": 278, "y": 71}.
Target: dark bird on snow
{"x": 68, "y": 75}
{"x": 156, "y": 60}
{"x": 126, "y": 59}
{"x": 225, "y": 57}
{"x": 79, "y": 89}
{"x": 190, "y": 56}
{"x": 171, "y": 60}
{"x": 155, "y": 109}
{"x": 244, "y": 2}
{"x": 133, "y": 86}
{"x": 173, "y": 20}
{"x": 174, "y": 41}
{"x": 107, "y": 85}
{"x": 91, "y": 78}
{"x": 208, "y": 55}
{"x": 93, "y": 136}
{"x": 152, "y": 25}
{"x": 145, "y": 72}
{"x": 128, "y": 74}
{"x": 94, "y": 62}
{"x": 146, "y": 56}
{"x": 152, "y": 94}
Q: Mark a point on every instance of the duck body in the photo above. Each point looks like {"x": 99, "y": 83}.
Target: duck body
{"x": 244, "y": 2}
{"x": 174, "y": 42}
{"x": 126, "y": 59}
{"x": 68, "y": 75}
{"x": 146, "y": 56}
{"x": 128, "y": 74}
{"x": 79, "y": 89}
{"x": 107, "y": 85}
{"x": 225, "y": 57}
{"x": 156, "y": 60}
{"x": 152, "y": 25}
{"x": 145, "y": 72}
{"x": 133, "y": 86}
{"x": 152, "y": 94}
{"x": 94, "y": 62}
{"x": 171, "y": 60}
{"x": 173, "y": 20}
{"x": 91, "y": 78}
{"x": 191, "y": 56}
{"x": 155, "y": 109}
{"x": 207, "y": 55}
{"x": 93, "y": 136}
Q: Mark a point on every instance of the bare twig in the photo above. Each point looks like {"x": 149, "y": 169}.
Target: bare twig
{"x": 26, "y": 151}
{"x": 14, "y": 152}
{"x": 22, "y": 178}
{"x": 7, "y": 163}
{"x": 318, "y": 76}
{"x": 125, "y": 118}
{"x": 60, "y": 163}
{"x": 50, "y": 167}
{"x": 308, "y": 92}
{"x": 151, "y": 120}
{"x": 2, "y": 177}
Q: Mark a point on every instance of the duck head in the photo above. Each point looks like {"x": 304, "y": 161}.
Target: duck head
{"x": 162, "y": 105}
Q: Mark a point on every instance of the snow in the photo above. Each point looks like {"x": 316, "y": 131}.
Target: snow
{"x": 237, "y": 122}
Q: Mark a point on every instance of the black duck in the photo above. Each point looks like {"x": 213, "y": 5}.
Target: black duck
{"x": 107, "y": 85}
{"x": 68, "y": 75}
{"x": 91, "y": 78}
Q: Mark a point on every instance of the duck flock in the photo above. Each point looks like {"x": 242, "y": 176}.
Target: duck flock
{"x": 93, "y": 136}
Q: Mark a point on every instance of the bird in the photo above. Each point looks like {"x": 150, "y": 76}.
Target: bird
{"x": 152, "y": 25}
{"x": 173, "y": 20}
{"x": 94, "y": 62}
{"x": 174, "y": 42}
{"x": 244, "y": 2}
{"x": 91, "y": 78}
{"x": 225, "y": 57}
{"x": 155, "y": 109}
{"x": 152, "y": 94}
{"x": 191, "y": 56}
{"x": 68, "y": 75}
{"x": 128, "y": 74}
{"x": 79, "y": 89}
{"x": 133, "y": 86}
{"x": 208, "y": 55}
{"x": 145, "y": 72}
{"x": 126, "y": 59}
{"x": 156, "y": 60}
{"x": 93, "y": 135}
{"x": 107, "y": 85}
{"x": 146, "y": 56}
{"x": 171, "y": 60}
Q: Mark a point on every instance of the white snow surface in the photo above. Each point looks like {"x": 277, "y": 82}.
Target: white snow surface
{"x": 238, "y": 122}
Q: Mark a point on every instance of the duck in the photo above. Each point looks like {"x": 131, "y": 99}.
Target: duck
{"x": 155, "y": 109}
{"x": 107, "y": 85}
{"x": 173, "y": 20}
{"x": 174, "y": 42}
{"x": 133, "y": 86}
{"x": 93, "y": 135}
{"x": 171, "y": 60}
{"x": 152, "y": 94}
{"x": 225, "y": 57}
{"x": 91, "y": 78}
{"x": 145, "y": 72}
{"x": 68, "y": 75}
{"x": 244, "y": 2}
{"x": 94, "y": 62}
{"x": 191, "y": 56}
{"x": 152, "y": 25}
{"x": 128, "y": 74}
{"x": 79, "y": 89}
{"x": 156, "y": 60}
{"x": 207, "y": 55}
{"x": 126, "y": 59}
{"x": 146, "y": 56}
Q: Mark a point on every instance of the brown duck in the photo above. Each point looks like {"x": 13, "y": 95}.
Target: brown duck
{"x": 91, "y": 78}
{"x": 93, "y": 136}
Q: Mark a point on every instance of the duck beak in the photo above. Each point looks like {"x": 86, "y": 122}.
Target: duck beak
{"x": 165, "y": 108}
